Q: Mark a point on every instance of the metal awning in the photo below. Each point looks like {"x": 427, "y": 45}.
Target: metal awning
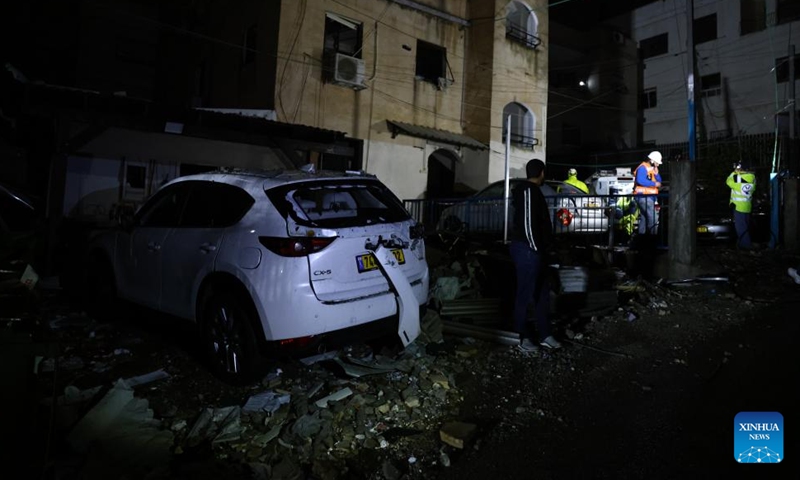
{"x": 435, "y": 134}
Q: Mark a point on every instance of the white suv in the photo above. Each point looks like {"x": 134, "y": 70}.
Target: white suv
{"x": 269, "y": 261}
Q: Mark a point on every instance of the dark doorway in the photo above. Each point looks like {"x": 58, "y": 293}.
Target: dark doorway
{"x": 441, "y": 179}
{"x": 441, "y": 174}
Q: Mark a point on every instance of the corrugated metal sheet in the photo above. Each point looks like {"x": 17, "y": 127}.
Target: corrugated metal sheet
{"x": 434, "y": 134}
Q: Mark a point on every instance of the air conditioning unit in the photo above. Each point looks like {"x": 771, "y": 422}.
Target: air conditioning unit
{"x": 618, "y": 38}
{"x": 348, "y": 72}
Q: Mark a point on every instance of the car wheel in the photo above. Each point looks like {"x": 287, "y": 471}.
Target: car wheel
{"x": 452, "y": 224}
{"x": 100, "y": 291}
{"x": 229, "y": 339}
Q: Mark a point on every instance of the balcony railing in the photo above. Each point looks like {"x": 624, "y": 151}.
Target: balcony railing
{"x": 523, "y": 141}
{"x": 520, "y": 35}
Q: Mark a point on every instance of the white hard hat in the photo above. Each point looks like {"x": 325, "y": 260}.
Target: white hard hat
{"x": 655, "y": 157}
{"x": 572, "y": 172}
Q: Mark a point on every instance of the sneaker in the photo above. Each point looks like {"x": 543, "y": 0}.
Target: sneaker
{"x": 793, "y": 273}
{"x": 550, "y": 343}
{"x": 527, "y": 346}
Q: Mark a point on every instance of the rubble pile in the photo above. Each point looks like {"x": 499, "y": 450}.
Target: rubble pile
{"x": 367, "y": 411}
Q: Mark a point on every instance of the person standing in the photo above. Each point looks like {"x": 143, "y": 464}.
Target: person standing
{"x": 647, "y": 182}
{"x": 742, "y": 184}
{"x": 530, "y": 240}
{"x": 572, "y": 179}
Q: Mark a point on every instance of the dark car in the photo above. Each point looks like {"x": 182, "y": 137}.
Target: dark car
{"x": 715, "y": 218}
{"x": 483, "y": 214}
{"x": 20, "y": 224}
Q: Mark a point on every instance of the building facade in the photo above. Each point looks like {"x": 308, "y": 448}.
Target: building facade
{"x": 424, "y": 84}
{"x": 742, "y": 74}
{"x": 593, "y": 101}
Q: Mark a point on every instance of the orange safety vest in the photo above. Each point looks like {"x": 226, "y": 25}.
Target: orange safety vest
{"x": 651, "y": 174}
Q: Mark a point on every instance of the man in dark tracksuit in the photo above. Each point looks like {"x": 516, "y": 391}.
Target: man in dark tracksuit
{"x": 531, "y": 237}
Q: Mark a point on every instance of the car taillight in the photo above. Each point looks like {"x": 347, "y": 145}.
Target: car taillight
{"x": 299, "y": 342}
{"x": 295, "y": 246}
{"x": 564, "y": 216}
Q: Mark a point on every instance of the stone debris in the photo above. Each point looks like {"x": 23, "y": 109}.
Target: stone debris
{"x": 359, "y": 412}
{"x": 457, "y": 434}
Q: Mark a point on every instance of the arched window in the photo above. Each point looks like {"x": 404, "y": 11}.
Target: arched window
{"x": 523, "y": 124}
{"x": 522, "y": 25}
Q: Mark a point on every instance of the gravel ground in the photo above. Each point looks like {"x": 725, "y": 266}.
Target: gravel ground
{"x": 627, "y": 385}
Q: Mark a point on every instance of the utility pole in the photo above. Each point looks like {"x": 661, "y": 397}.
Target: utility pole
{"x": 690, "y": 80}
{"x": 683, "y": 178}
{"x": 792, "y": 114}
{"x": 791, "y": 183}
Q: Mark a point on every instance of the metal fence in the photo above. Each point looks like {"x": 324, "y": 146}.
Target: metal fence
{"x": 484, "y": 218}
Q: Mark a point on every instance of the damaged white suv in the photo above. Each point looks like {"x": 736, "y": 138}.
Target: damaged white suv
{"x": 270, "y": 261}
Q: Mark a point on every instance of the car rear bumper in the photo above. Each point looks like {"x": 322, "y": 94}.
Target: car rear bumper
{"x": 303, "y": 315}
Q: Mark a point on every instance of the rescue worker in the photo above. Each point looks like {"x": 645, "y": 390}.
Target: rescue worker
{"x": 572, "y": 179}
{"x": 742, "y": 183}
{"x": 626, "y": 213}
{"x": 647, "y": 181}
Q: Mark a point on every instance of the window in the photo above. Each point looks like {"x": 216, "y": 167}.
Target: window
{"x": 431, "y": 62}
{"x": 570, "y": 134}
{"x": 164, "y": 209}
{"x": 787, "y": 11}
{"x": 342, "y": 35}
{"x": 753, "y": 14}
{"x": 782, "y": 69}
{"x": 249, "y": 47}
{"x": 522, "y": 125}
{"x": 710, "y": 85}
{"x": 649, "y": 98}
{"x": 135, "y": 176}
{"x": 705, "y": 29}
{"x": 339, "y": 204}
{"x": 215, "y": 205}
{"x": 522, "y": 26}
{"x": 654, "y": 46}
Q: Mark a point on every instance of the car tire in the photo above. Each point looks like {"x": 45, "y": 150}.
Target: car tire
{"x": 229, "y": 341}
{"x": 100, "y": 289}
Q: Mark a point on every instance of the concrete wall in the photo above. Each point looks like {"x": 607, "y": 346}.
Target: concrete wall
{"x": 389, "y": 49}
{"x": 519, "y": 74}
{"x": 745, "y": 63}
{"x": 489, "y": 71}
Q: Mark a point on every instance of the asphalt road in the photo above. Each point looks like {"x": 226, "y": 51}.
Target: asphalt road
{"x": 672, "y": 423}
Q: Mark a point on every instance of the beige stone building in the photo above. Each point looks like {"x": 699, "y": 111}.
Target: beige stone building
{"x": 425, "y": 84}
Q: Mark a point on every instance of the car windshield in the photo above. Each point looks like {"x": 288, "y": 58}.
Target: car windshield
{"x": 339, "y": 204}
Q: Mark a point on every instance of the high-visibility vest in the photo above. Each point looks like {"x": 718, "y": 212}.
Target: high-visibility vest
{"x": 573, "y": 180}
{"x": 628, "y": 220}
{"x": 651, "y": 174}
{"x": 742, "y": 185}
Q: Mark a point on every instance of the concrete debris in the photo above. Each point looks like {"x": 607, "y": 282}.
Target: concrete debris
{"x": 123, "y": 428}
{"x": 343, "y": 393}
{"x": 273, "y": 379}
{"x": 268, "y": 401}
{"x": 146, "y": 378}
{"x": 318, "y": 358}
{"x": 64, "y": 363}
{"x": 457, "y": 434}
{"x": 217, "y": 424}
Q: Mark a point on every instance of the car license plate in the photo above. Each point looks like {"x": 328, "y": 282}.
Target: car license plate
{"x": 593, "y": 205}
{"x": 702, "y": 229}
{"x": 367, "y": 261}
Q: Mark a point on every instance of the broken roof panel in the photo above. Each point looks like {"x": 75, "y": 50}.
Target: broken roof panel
{"x": 434, "y": 134}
